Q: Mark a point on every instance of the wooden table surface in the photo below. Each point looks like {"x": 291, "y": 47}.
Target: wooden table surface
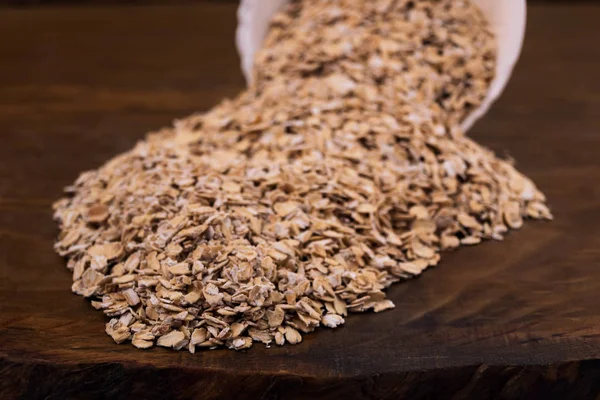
{"x": 513, "y": 319}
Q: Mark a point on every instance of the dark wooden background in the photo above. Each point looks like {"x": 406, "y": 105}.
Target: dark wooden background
{"x": 141, "y": 2}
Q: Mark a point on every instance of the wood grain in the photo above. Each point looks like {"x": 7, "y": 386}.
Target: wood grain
{"x": 511, "y": 320}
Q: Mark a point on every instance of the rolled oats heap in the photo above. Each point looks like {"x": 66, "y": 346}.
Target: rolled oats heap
{"x": 341, "y": 170}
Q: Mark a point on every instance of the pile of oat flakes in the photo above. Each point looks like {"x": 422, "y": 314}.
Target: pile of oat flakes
{"x": 341, "y": 170}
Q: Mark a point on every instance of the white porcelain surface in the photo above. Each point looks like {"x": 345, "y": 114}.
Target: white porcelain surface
{"x": 507, "y": 18}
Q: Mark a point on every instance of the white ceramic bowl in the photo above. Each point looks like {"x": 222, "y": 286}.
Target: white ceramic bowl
{"x": 507, "y": 18}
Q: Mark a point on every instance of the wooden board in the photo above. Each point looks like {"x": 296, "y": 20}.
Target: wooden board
{"x": 510, "y": 320}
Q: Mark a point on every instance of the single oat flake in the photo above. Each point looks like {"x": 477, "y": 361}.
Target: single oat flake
{"x": 341, "y": 170}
